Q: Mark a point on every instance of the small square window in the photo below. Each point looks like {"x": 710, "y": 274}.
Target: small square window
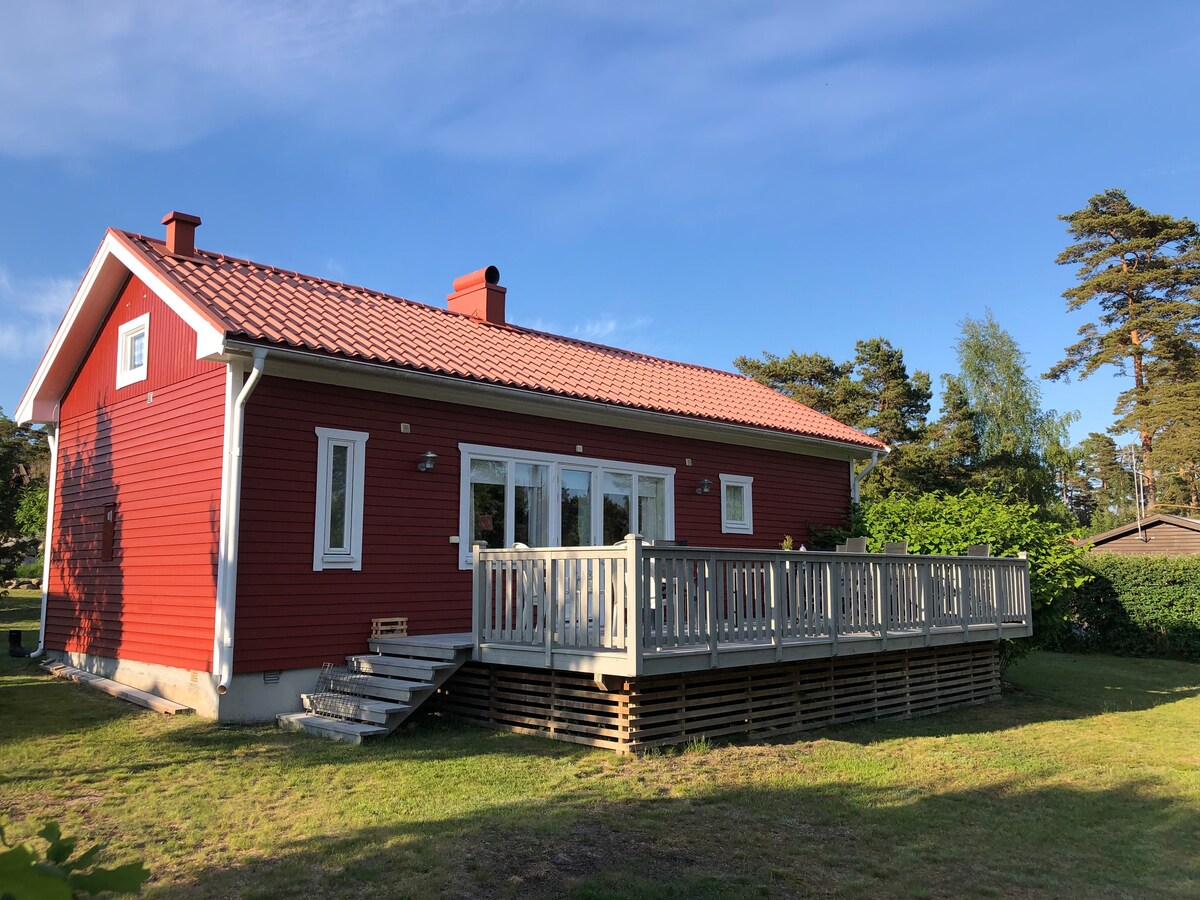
{"x": 737, "y": 513}
{"x": 133, "y": 345}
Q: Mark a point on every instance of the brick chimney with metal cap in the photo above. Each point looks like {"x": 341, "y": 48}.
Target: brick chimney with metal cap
{"x": 479, "y": 296}
{"x": 181, "y": 233}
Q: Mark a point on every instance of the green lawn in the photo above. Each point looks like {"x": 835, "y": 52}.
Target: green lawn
{"x": 1083, "y": 781}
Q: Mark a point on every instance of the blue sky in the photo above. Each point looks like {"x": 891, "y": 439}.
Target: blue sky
{"x": 693, "y": 180}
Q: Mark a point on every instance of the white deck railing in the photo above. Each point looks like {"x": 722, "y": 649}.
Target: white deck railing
{"x": 630, "y": 609}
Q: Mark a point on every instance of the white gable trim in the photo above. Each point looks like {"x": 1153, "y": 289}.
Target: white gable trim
{"x": 209, "y": 340}
{"x": 113, "y": 263}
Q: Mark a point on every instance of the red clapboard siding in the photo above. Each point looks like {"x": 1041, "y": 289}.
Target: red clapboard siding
{"x": 159, "y": 462}
{"x": 290, "y": 616}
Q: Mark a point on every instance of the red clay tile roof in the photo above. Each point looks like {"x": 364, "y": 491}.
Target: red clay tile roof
{"x": 262, "y": 303}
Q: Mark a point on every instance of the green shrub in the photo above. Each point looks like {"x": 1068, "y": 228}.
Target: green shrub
{"x": 1137, "y": 606}
{"x": 945, "y": 524}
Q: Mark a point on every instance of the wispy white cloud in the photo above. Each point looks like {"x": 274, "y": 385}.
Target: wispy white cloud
{"x": 535, "y": 81}
{"x": 30, "y": 310}
{"x": 635, "y": 333}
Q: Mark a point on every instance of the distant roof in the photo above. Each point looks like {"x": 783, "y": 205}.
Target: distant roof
{"x": 266, "y": 304}
{"x": 1155, "y": 519}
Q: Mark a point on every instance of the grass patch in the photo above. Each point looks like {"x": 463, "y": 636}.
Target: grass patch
{"x": 1083, "y": 781}
{"x": 21, "y": 609}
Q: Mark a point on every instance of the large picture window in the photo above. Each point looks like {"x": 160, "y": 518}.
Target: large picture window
{"x": 341, "y": 467}
{"x": 545, "y": 500}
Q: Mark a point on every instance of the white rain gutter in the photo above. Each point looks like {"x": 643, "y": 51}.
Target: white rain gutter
{"x": 231, "y": 494}
{"x": 856, "y": 480}
{"x": 52, "y": 439}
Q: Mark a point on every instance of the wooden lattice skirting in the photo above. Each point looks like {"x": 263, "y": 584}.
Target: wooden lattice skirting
{"x": 759, "y": 701}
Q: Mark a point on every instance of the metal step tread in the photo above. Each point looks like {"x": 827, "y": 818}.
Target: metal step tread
{"x": 458, "y": 641}
{"x": 380, "y": 686}
{"x": 332, "y": 700}
{"x": 389, "y": 647}
{"x": 338, "y": 729}
{"x": 384, "y": 662}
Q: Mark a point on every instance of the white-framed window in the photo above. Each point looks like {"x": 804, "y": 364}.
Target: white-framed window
{"x": 133, "y": 350}
{"x": 737, "y": 505}
{"x": 547, "y": 500}
{"x": 341, "y": 471}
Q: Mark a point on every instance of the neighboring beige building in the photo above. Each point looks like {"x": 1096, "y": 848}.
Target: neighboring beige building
{"x": 1161, "y": 535}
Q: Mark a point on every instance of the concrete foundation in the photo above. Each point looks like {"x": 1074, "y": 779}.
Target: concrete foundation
{"x": 253, "y": 697}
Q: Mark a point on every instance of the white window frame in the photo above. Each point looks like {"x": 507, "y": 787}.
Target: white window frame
{"x": 734, "y": 526}
{"x": 556, "y": 462}
{"x": 324, "y": 556}
{"x": 127, "y": 373}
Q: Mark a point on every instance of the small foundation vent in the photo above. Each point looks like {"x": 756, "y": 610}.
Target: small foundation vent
{"x": 271, "y": 677}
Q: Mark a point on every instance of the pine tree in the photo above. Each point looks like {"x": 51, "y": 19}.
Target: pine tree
{"x": 1142, "y": 273}
{"x": 873, "y": 392}
{"x": 1110, "y": 482}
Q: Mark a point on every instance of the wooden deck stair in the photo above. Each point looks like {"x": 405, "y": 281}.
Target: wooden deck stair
{"x": 379, "y": 690}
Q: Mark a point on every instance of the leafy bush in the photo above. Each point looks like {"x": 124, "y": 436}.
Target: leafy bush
{"x": 26, "y": 874}
{"x": 30, "y": 514}
{"x": 944, "y": 524}
{"x": 1137, "y": 606}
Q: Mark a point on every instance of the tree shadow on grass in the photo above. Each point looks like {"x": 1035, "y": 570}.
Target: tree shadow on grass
{"x": 33, "y": 703}
{"x": 832, "y": 839}
{"x": 432, "y": 739}
{"x": 1049, "y": 687}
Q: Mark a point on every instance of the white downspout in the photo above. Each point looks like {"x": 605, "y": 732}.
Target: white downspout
{"x": 857, "y": 479}
{"x": 52, "y": 439}
{"x": 231, "y": 502}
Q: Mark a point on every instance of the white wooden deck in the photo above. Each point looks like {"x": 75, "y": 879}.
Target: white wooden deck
{"x": 638, "y": 609}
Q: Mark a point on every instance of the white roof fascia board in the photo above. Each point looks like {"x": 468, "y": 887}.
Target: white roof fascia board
{"x": 209, "y": 340}
{"x": 111, "y": 265}
{"x": 303, "y": 365}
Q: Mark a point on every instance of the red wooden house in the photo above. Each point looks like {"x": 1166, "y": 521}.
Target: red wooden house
{"x": 250, "y": 465}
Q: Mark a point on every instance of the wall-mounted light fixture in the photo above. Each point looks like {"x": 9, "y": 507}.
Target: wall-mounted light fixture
{"x": 704, "y": 487}
{"x": 428, "y": 458}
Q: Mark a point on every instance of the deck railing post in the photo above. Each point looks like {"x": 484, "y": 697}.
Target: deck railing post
{"x": 716, "y": 584}
{"x": 965, "y": 595}
{"x": 773, "y": 598}
{"x": 833, "y": 601}
{"x": 926, "y": 591}
{"x": 996, "y": 582}
{"x": 1027, "y": 599}
{"x": 477, "y": 591}
{"x": 550, "y": 610}
{"x": 634, "y": 602}
{"x": 881, "y": 602}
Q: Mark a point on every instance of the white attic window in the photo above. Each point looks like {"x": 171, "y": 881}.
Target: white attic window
{"x": 133, "y": 350}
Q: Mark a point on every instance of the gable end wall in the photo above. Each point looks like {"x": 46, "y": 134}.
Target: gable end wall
{"x": 1165, "y": 539}
{"x": 152, "y": 451}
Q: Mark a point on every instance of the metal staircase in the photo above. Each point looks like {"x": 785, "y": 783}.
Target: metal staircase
{"x": 376, "y": 692}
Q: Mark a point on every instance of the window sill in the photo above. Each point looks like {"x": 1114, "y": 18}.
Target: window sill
{"x": 338, "y": 562}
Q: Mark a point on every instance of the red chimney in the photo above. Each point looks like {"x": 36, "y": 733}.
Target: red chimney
{"x": 181, "y": 233}
{"x": 479, "y": 296}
